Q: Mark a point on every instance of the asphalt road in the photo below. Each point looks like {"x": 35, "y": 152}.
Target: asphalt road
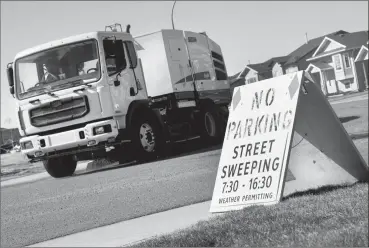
{"x": 50, "y": 208}
{"x": 46, "y": 209}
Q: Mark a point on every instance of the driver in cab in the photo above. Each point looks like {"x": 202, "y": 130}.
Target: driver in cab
{"x": 51, "y": 70}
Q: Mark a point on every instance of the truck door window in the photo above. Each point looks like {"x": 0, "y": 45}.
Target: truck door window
{"x": 114, "y": 56}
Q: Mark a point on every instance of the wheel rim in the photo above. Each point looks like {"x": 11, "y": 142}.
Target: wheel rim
{"x": 210, "y": 124}
{"x": 147, "y": 137}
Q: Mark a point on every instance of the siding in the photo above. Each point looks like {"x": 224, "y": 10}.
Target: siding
{"x": 348, "y": 71}
{"x": 362, "y": 71}
{"x": 291, "y": 69}
{"x": 251, "y": 74}
{"x": 277, "y": 70}
{"x": 338, "y": 66}
{"x": 349, "y": 83}
{"x": 332, "y": 46}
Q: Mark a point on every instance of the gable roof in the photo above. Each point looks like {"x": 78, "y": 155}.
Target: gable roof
{"x": 345, "y": 41}
{"x": 281, "y": 60}
{"x": 352, "y": 40}
{"x": 308, "y": 47}
{"x": 360, "y": 54}
{"x": 263, "y": 69}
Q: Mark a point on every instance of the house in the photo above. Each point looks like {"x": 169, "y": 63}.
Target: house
{"x": 257, "y": 72}
{"x": 254, "y": 72}
{"x": 278, "y": 65}
{"x": 332, "y": 63}
{"x": 297, "y": 58}
{"x": 361, "y": 63}
{"x": 236, "y": 81}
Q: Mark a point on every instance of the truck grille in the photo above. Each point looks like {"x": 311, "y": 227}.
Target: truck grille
{"x": 59, "y": 111}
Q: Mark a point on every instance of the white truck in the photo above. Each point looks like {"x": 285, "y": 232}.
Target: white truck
{"x": 80, "y": 96}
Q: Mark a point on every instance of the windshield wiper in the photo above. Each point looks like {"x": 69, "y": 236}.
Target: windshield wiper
{"x": 80, "y": 81}
{"x": 74, "y": 81}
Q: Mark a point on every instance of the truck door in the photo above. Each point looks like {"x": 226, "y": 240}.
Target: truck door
{"x": 127, "y": 85}
{"x": 201, "y": 61}
{"x": 180, "y": 69}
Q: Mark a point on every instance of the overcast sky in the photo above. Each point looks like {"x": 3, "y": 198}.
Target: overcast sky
{"x": 245, "y": 30}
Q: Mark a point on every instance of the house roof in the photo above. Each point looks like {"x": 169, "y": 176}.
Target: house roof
{"x": 311, "y": 45}
{"x": 352, "y": 40}
{"x": 263, "y": 69}
{"x": 237, "y": 82}
{"x": 348, "y": 41}
{"x": 267, "y": 65}
{"x": 281, "y": 60}
{"x": 233, "y": 77}
{"x": 359, "y": 53}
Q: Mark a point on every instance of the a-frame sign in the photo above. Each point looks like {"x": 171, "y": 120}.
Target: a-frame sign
{"x": 282, "y": 137}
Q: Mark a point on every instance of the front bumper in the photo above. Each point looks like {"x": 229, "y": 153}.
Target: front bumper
{"x": 69, "y": 140}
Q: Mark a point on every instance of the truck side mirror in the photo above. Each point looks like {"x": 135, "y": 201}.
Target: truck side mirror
{"x": 10, "y": 74}
{"x": 131, "y": 54}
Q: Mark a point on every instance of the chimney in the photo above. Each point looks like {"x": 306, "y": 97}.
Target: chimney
{"x": 306, "y": 37}
{"x": 249, "y": 62}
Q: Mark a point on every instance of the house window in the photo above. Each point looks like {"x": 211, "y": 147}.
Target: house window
{"x": 337, "y": 62}
{"x": 346, "y": 60}
{"x": 251, "y": 80}
{"x": 347, "y": 85}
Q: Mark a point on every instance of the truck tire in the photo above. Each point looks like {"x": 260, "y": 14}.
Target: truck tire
{"x": 211, "y": 125}
{"x": 147, "y": 138}
{"x": 60, "y": 167}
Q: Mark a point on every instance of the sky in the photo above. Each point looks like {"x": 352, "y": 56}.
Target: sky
{"x": 245, "y": 30}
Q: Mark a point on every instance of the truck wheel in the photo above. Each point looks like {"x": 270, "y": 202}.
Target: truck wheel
{"x": 147, "y": 139}
{"x": 60, "y": 167}
{"x": 211, "y": 125}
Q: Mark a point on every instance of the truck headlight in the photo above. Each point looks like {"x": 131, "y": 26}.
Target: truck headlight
{"x": 27, "y": 145}
{"x": 102, "y": 129}
{"x": 99, "y": 130}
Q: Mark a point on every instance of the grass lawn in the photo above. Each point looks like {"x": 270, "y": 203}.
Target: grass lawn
{"x": 332, "y": 216}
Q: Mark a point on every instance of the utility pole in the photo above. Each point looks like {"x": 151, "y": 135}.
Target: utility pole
{"x": 172, "y": 14}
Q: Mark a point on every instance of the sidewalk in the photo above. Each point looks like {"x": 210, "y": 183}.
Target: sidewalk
{"x": 347, "y": 96}
{"x": 135, "y": 230}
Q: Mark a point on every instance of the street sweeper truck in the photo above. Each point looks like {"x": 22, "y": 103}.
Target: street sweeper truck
{"x": 108, "y": 92}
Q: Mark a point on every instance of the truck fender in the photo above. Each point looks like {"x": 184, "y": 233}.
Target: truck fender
{"x": 140, "y": 107}
{"x": 134, "y": 108}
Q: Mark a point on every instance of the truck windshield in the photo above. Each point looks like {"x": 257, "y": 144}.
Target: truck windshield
{"x": 58, "y": 68}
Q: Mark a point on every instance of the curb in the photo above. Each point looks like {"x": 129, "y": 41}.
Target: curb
{"x": 135, "y": 231}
